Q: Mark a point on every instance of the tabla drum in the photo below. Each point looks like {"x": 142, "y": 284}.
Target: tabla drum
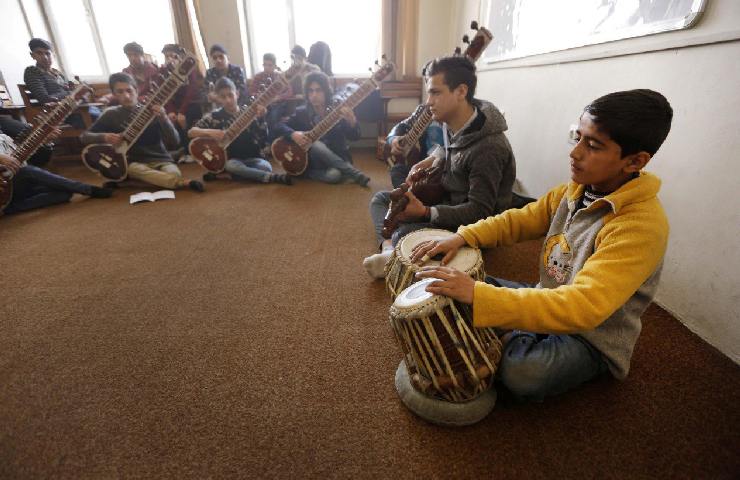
{"x": 448, "y": 367}
{"x": 399, "y": 271}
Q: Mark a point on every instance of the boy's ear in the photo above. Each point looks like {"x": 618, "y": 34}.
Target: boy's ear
{"x": 637, "y": 161}
{"x": 462, "y": 90}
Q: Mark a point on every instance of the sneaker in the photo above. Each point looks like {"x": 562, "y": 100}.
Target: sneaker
{"x": 195, "y": 185}
{"x": 283, "y": 178}
{"x": 98, "y": 192}
{"x": 209, "y": 177}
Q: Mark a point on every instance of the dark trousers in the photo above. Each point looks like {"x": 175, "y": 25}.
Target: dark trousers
{"x": 35, "y": 187}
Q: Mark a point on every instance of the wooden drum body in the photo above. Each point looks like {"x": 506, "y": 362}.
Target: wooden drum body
{"x": 209, "y": 153}
{"x": 445, "y": 356}
{"x": 399, "y": 271}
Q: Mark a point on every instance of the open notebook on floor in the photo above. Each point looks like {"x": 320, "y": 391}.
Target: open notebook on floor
{"x": 151, "y": 196}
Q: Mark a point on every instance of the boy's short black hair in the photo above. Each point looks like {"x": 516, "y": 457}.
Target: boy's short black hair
{"x": 172, "y": 47}
{"x": 637, "y": 120}
{"x": 269, "y": 57}
{"x": 217, "y": 47}
{"x": 456, "y": 70}
{"x": 323, "y": 80}
{"x": 121, "y": 77}
{"x": 39, "y": 43}
{"x": 224, "y": 82}
{"x": 133, "y": 47}
{"x": 299, "y": 51}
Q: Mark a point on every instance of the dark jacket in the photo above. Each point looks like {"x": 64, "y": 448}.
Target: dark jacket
{"x": 479, "y": 171}
{"x": 149, "y": 147}
{"x": 304, "y": 119}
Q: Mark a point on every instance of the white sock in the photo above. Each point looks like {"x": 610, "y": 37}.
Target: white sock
{"x": 375, "y": 264}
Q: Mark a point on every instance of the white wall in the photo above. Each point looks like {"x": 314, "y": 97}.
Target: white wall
{"x": 698, "y": 162}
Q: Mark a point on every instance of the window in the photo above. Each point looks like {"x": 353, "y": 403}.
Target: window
{"x": 354, "y": 40}
{"x": 91, "y": 33}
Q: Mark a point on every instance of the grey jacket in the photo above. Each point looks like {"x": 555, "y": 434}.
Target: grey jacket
{"x": 479, "y": 171}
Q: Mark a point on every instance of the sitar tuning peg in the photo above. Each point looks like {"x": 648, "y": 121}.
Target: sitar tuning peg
{"x": 474, "y": 25}
{"x": 458, "y": 51}
{"x": 466, "y": 39}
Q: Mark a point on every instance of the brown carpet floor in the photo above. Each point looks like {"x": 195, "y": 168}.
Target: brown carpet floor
{"x": 235, "y": 334}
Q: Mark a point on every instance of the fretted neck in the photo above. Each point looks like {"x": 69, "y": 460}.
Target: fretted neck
{"x": 419, "y": 124}
{"x": 49, "y": 121}
{"x": 335, "y": 115}
{"x": 145, "y": 115}
{"x": 247, "y": 116}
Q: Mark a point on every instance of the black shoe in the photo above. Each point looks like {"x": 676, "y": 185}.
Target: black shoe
{"x": 209, "y": 177}
{"x": 98, "y": 192}
{"x": 110, "y": 184}
{"x": 195, "y": 185}
{"x": 283, "y": 178}
{"x": 362, "y": 180}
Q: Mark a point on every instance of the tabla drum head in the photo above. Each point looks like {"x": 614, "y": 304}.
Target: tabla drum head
{"x": 465, "y": 260}
{"x": 415, "y": 295}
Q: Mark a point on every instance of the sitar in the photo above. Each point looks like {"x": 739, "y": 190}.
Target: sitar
{"x": 422, "y": 116}
{"x": 111, "y": 161}
{"x": 425, "y": 183}
{"x": 211, "y": 153}
{"x": 294, "y": 158}
{"x": 42, "y": 128}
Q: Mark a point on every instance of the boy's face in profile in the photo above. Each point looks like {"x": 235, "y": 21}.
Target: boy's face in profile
{"x": 43, "y": 57}
{"x": 442, "y": 101}
{"x": 135, "y": 59}
{"x": 227, "y": 97}
{"x": 220, "y": 60}
{"x": 596, "y": 159}
{"x": 269, "y": 66}
{"x": 125, "y": 94}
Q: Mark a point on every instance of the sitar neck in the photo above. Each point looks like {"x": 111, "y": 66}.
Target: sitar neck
{"x": 48, "y": 121}
{"x": 244, "y": 119}
{"x": 333, "y": 117}
{"x": 418, "y": 125}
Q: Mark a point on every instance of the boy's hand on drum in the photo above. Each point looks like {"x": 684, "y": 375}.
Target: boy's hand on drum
{"x": 452, "y": 283}
{"x": 431, "y": 248}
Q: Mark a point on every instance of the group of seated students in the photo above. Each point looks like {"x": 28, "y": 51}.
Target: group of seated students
{"x": 190, "y": 113}
{"x": 605, "y": 231}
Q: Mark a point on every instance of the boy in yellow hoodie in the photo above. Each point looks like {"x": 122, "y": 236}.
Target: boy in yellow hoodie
{"x": 605, "y": 237}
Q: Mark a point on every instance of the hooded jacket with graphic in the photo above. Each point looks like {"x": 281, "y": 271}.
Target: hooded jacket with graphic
{"x": 479, "y": 171}
{"x": 599, "y": 266}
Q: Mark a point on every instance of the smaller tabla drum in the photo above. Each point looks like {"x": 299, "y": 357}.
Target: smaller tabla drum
{"x": 448, "y": 367}
{"x": 399, "y": 271}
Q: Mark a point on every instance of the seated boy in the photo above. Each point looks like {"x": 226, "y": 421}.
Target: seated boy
{"x": 329, "y": 158}
{"x": 47, "y": 84}
{"x": 605, "y": 237}
{"x": 245, "y": 160}
{"x": 148, "y": 159}
{"x": 144, "y": 72}
{"x": 222, "y": 68}
{"x": 34, "y": 187}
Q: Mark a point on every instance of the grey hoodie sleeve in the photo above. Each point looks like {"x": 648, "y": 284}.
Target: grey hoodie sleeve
{"x": 484, "y": 177}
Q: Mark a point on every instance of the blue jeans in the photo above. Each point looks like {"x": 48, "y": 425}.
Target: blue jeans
{"x": 535, "y": 366}
{"x": 326, "y": 166}
{"x": 34, "y": 187}
{"x": 378, "y": 208}
{"x": 256, "y": 169}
